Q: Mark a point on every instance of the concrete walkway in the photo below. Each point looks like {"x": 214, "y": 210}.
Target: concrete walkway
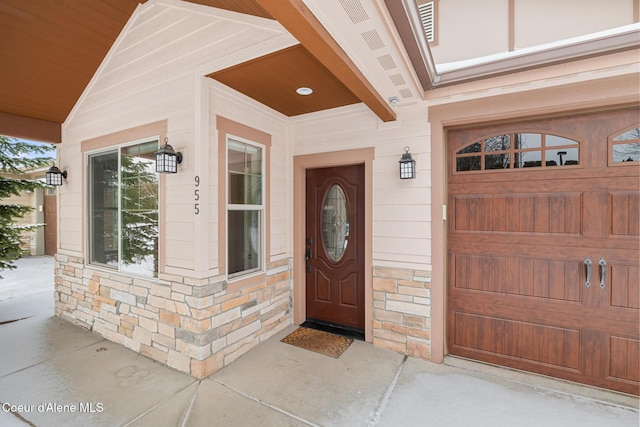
{"x": 53, "y": 373}
{"x": 28, "y": 290}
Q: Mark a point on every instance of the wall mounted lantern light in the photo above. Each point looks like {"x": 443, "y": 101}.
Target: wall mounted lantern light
{"x": 167, "y": 159}
{"x": 54, "y": 176}
{"x": 407, "y": 165}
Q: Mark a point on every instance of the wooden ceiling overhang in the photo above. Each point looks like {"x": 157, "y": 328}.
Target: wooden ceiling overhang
{"x": 51, "y": 50}
{"x": 273, "y": 80}
{"x": 307, "y": 29}
{"x": 48, "y": 53}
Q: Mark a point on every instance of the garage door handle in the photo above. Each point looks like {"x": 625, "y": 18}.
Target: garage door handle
{"x": 603, "y": 272}
{"x": 588, "y": 263}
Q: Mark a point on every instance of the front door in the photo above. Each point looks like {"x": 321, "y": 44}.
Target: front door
{"x": 334, "y": 246}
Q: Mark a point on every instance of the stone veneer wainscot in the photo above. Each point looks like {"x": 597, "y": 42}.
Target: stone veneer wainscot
{"x": 402, "y": 311}
{"x": 194, "y": 326}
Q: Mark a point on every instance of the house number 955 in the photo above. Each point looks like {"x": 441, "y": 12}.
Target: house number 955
{"x": 196, "y": 195}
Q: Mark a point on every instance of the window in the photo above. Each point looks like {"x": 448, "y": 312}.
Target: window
{"x": 123, "y": 208}
{"x": 245, "y": 207}
{"x": 518, "y": 150}
{"x": 625, "y": 147}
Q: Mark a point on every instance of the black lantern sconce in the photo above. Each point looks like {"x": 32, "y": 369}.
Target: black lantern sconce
{"x": 54, "y": 176}
{"x": 167, "y": 159}
{"x": 407, "y": 165}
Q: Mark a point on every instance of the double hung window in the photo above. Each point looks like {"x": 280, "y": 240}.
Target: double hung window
{"x": 123, "y": 208}
{"x": 245, "y": 207}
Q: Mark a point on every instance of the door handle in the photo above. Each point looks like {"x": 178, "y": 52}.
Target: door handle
{"x": 588, "y": 263}
{"x": 603, "y": 272}
{"x": 307, "y": 257}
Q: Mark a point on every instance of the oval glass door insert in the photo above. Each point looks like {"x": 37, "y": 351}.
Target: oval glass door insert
{"x": 335, "y": 223}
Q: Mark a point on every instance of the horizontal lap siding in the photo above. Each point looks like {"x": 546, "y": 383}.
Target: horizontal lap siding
{"x": 279, "y": 195}
{"x": 401, "y": 208}
{"x": 149, "y": 76}
{"x": 247, "y": 112}
{"x": 155, "y": 76}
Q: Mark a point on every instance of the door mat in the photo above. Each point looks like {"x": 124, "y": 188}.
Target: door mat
{"x": 318, "y": 341}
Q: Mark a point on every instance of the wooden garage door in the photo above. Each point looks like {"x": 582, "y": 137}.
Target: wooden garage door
{"x": 543, "y": 246}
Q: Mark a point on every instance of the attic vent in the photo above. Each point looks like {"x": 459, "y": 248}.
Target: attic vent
{"x": 355, "y": 10}
{"x": 373, "y": 40}
{"x": 397, "y": 80}
{"x": 427, "y": 15}
{"x": 406, "y": 93}
{"x": 387, "y": 62}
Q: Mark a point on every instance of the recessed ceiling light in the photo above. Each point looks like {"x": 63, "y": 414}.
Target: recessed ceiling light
{"x": 304, "y": 91}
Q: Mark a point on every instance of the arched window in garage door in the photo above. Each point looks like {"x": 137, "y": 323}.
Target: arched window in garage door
{"x": 518, "y": 150}
{"x": 624, "y": 147}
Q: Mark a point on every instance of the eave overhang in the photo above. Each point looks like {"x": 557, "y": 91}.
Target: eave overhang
{"x": 406, "y": 17}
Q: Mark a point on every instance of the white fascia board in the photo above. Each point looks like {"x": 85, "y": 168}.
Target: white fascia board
{"x": 615, "y": 39}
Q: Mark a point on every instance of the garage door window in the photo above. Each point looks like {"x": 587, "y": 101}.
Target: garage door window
{"x": 625, "y": 147}
{"x": 518, "y": 150}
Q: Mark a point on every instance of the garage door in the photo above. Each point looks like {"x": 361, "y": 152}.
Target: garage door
{"x": 543, "y": 246}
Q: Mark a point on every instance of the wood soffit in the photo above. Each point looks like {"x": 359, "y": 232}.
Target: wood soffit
{"x": 273, "y": 80}
{"x": 50, "y": 51}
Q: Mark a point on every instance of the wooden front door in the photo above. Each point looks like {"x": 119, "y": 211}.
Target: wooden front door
{"x": 544, "y": 242}
{"x": 334, "y": 246}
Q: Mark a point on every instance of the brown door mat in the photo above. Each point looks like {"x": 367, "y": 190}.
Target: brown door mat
{"x": 318, "y": 341}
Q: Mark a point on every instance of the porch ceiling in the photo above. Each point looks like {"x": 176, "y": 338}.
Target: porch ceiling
{"x": 51, "y": 50}
{"x": 273, "y": 80}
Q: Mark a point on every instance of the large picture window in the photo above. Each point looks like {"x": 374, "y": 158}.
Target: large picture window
{"x": 123, "y": 208}
{"x": 245, "y": 207}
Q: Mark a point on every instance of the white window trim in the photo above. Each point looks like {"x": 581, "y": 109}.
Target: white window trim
{"x": 262, "y": 208}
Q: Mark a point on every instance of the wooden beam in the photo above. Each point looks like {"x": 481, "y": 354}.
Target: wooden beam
{"x": 304, "y": 26}
{"x": 30, "y": 128}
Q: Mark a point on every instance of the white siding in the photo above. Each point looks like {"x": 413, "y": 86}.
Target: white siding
{"x": 152, "y": 73}
{"x": 401, "y": 208}
{"x": 235, "y": 106}
{"x": 545, "y": 21}
{"x": 471, "y": 29}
